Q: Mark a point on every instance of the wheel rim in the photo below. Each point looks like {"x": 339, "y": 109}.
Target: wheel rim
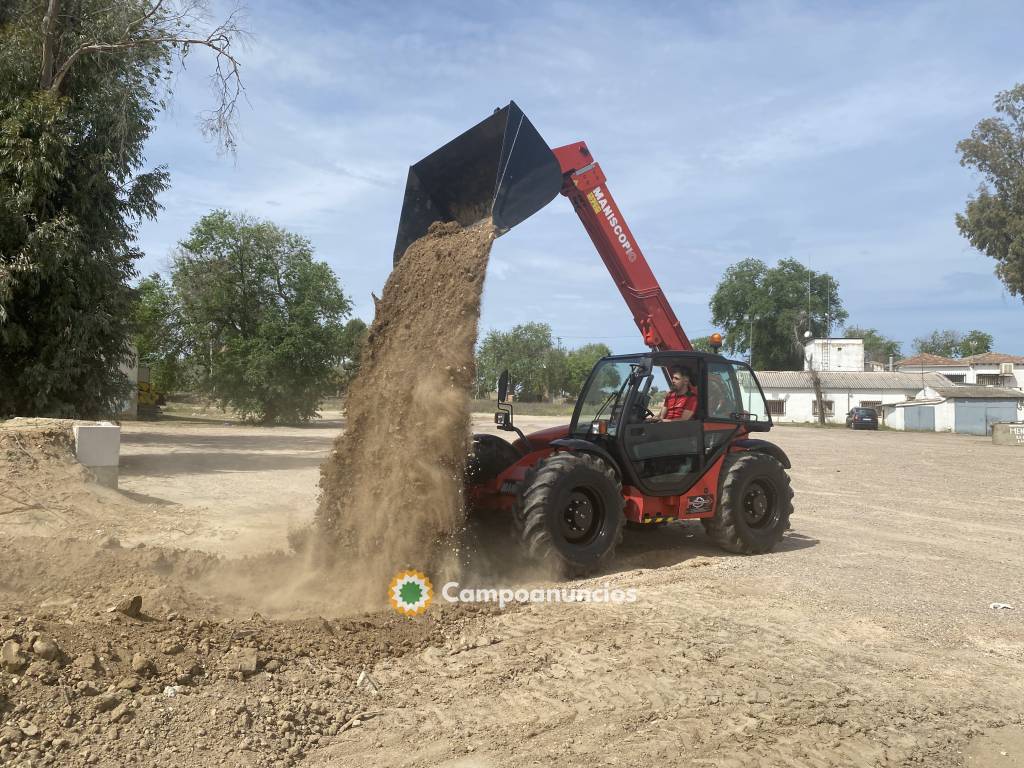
{"x": 581, "y": 517}
{"x": 760, "y": 507}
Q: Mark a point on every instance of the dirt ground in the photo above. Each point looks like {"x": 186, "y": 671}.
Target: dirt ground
{"x": 238, "y": 488}
{"x": 866, "y": 639}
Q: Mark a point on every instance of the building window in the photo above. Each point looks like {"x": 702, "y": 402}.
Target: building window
{"x": 777, "y": 407}
{"x": 956, "y": 378}
{"x": 876, "y": 405}
{"x": 990, "y": 378}
{"x": 827, "y": 404}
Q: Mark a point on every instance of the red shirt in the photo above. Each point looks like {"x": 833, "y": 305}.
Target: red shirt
{"x": 676, "y": 403}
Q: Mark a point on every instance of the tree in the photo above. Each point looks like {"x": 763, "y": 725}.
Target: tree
{"x": 702, "y": 344}
{"x": 581, "y": 361}
{"x": 953, "y": 343}
{"x": 975, "y": 343}
{"x": 876, "y": 346}
{"x": 157, "y": 334}
{"x": 162, "y": 31}
{"x": 993, "y": 219}
{"x": 525, "y": 351}
{"x": 538, "y": 368}
{"x": 81, "y": 84}
{"x": 771, "y": 307}
{"x": 556, "y": 373}
{"x": 942, "y": 343}
{"x": 262, "y": 315}
{"x": 353, "y": 337}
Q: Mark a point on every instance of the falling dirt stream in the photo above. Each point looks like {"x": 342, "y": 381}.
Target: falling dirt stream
{"x": 392, "y": 485}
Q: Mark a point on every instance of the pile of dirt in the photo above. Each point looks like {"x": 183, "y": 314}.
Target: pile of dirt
{"x": 44, "y": 486}
{"x": 392, "y": 486}
{"x": 184, "y": 680}
{"x": 35, "y": 456}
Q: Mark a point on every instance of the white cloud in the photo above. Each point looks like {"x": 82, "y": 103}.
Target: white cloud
{"x": 866, "y": 115}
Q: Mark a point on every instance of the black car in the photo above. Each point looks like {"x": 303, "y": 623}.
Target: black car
{"x": 862, "y": 418}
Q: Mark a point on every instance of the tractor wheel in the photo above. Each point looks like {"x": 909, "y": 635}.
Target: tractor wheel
{"x": 570, "y": 512}
{"x": 755, "y": 502}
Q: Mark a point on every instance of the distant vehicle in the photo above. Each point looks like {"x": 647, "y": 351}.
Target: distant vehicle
{"x": 862, "y": 418}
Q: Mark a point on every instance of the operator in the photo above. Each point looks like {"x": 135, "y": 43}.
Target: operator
{"x": 681, "y": 401}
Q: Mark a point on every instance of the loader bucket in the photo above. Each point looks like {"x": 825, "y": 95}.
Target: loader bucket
{"x": 501, "y": 168}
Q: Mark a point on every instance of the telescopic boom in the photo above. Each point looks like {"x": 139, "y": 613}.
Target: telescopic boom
{"x": 501, "y": 168}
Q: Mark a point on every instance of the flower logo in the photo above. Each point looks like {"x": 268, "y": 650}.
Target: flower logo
{"x": 410, "y": 592}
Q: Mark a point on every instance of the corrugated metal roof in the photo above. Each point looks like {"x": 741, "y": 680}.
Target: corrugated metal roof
{"x": 910, "y": 382}
{"x": 975, "y": 392}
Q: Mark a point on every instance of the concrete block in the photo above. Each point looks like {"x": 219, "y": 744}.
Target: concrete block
{"x": 1008, "y": 434}
{"x": 98, "y": 447}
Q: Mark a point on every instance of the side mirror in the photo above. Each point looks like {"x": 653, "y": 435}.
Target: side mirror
{"x": 503, "y": 386}
{"x": 501, "y": 418}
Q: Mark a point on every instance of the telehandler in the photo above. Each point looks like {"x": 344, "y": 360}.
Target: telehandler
{"x": 571, "y": 490}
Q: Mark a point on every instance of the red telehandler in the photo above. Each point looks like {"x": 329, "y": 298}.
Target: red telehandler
{"x": 572, "y": 489}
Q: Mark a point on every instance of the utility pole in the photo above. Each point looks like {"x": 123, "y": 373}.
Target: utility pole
{"x": 750, "y": 358}
{"x": 809, "y": 302}
{"x": 828, "y": 307}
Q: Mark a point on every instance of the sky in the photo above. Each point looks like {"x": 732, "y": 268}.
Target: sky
{"x": 823, "y": 132}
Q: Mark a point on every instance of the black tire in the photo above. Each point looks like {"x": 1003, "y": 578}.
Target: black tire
{"x": 490, "y": 457}
{"x": 754, "y": 504}
{"x": 569, "y": 512}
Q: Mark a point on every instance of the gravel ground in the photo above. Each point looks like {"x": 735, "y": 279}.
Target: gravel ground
{"x": 866, "y": 639}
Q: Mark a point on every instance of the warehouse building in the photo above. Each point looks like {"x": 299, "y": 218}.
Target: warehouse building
{"x": 963, "y": 408}
{"x": 993, "y": 369}
{"x": 790, "y": 394}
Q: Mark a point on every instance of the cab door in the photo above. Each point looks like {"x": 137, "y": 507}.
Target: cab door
{"x": 723, "y": 408}
{"x": 667, "y": 457}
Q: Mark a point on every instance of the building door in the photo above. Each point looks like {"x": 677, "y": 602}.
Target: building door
{"x": 919, "y": 418}
{"x": 976, "y": 417}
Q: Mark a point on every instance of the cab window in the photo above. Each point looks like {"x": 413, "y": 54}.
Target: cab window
{"x": 751, "y": 400}
{"x": 604, "y": 397}
{"x": 723, "y": 400}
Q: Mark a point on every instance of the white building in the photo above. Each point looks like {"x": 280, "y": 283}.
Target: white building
{"x": 989, "y": 368}
{"x": 834, "y": 355}
{"x": 790, "y": 394}
{"x": 964, "y": 408}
